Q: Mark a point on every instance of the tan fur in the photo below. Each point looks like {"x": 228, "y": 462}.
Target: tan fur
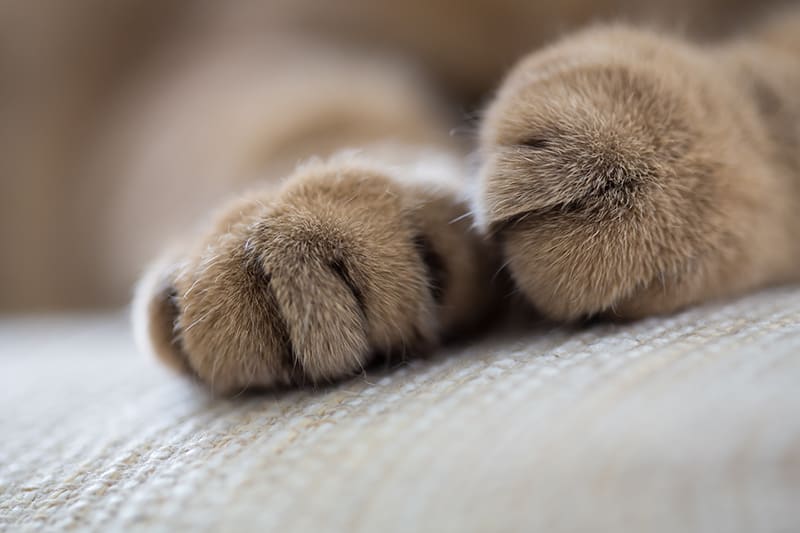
{"x": 116, "y": 128}
{"x": 624, "y": 171}
{"x": 631, "y": 173}
{"x": 306, "y": 284}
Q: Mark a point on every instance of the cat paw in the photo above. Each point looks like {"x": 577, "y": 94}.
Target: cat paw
{"x": 617, "y": 179}
{"x": 306, "y": 284}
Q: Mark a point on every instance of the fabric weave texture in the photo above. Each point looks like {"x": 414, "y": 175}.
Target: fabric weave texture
{"x": 682, "y": 423}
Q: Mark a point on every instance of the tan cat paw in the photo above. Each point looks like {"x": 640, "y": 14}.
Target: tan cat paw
{"x": 620, "y": 178}
{"x": 306, "y": 284}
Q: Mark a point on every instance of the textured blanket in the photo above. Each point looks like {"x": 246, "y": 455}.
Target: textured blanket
{"x": 677, "y": 424}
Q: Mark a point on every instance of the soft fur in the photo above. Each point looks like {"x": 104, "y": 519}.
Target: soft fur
{"x": 622, "y": 172}
{"x": 630, "y": 173}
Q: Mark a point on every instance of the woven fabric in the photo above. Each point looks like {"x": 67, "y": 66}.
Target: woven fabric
{"x": 684, "y": 423}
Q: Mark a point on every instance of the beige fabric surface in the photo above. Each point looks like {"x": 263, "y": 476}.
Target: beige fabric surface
{"x": 685, "y": 423}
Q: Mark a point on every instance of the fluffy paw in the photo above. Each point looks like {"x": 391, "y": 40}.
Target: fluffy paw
{"x": 306, "y": 284}
{"x": 618, "y": 179}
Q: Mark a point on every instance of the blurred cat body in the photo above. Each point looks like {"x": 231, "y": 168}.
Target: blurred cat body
{"x": 624, "y": 172}
{"x": 125, "y": 121}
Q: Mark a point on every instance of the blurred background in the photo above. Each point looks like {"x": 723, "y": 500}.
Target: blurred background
{"x": 123, "y": 121}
